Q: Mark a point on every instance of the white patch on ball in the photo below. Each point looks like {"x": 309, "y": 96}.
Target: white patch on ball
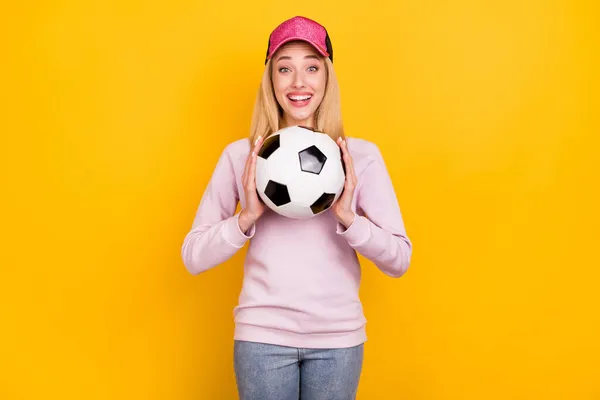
{"x": 299, "y": 172}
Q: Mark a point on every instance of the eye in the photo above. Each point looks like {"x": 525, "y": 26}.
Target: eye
{"x": 283, "y": 69}
{"x": 313, "y": 68}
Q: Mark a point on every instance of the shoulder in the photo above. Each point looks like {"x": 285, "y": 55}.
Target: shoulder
{"x": 365, "y": 154}
{"x": 237, "y": 147}
{"x": 236, "y": 150}
{"x": 232, "y": 157}
{"x": 362, "y": 150}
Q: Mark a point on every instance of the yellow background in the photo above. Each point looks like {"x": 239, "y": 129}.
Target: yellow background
{"x": 114, "y": 114}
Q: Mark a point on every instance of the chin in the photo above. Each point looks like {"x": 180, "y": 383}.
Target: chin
{"x": 300, "y": 116}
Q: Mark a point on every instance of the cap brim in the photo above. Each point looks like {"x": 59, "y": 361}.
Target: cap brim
{"x": 321, "y": 51}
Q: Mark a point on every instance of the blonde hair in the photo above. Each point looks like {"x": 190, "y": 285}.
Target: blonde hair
{"x": 267, "y": 116}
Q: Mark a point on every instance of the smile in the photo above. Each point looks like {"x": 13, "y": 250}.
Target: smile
{"x": 299, "y": 101}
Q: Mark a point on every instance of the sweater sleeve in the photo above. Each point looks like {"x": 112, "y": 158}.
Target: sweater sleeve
{"x": 378, "y": 231}
{"x": 215, "y": 235}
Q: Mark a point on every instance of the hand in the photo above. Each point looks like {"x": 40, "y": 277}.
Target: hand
{"x": 342, "y": 208}
{"x": 254, "y": 206}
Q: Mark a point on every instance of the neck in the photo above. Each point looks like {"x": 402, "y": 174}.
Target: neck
{"x": 287, "y": 121}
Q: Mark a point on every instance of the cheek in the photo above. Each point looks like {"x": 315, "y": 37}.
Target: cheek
{"x": 278, "y": 86}
{"x": 318, "y": 83}
{"x": 277, "y": 90}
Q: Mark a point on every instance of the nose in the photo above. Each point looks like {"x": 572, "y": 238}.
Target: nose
{"x": 298, "y": 80}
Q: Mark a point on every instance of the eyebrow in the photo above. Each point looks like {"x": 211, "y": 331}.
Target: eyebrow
{"x": 289, "y": 58}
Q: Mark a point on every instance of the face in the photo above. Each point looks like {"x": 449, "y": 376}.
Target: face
{"x": 299, "y": 79}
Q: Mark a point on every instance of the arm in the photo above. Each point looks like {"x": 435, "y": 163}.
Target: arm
{"x": 379, "y": 233}
{"x": 216, "y": 234}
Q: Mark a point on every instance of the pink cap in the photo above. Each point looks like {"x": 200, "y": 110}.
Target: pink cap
{"x": 300, "y": 28}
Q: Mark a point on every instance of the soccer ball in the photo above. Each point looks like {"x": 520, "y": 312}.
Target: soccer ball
{"x": 299, "y": 172}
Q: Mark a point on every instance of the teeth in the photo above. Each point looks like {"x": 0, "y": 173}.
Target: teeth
{"x": 299, "y": 98}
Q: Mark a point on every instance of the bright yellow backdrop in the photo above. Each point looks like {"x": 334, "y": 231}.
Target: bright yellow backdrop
{"x": 114, "y": 114}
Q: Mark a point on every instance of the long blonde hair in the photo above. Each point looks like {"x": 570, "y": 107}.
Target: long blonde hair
{"x": 267, "y": 115}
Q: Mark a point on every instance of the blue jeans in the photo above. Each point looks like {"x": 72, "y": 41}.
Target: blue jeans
{"x": 271, "y": 372}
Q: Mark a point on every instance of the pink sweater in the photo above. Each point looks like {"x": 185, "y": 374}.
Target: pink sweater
{"x": 301, "y": 277}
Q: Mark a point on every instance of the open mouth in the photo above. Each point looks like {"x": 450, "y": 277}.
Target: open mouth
{"x": 299, "y": 100}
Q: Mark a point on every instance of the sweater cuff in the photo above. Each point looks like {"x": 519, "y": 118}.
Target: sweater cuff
{"x": 357, "y": 233}
{"x": 234, "y": 235}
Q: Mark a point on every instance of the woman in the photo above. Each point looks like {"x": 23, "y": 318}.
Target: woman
{"x": 300, "y": 328}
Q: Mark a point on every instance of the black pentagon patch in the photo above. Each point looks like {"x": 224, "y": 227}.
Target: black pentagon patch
{"x": 277, "y": 193}
{"x": 269, "y": 146}
{"x": 312, "y": 160}
{"x": 322, "y": 203}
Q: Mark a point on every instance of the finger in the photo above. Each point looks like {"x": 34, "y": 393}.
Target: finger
{"x": 353, "y": 172}
{"x": 347, "y": 166}
{"x": 349, "y": 163}
{"x": 340, "y": 143}
{"x": 350, "y": 159}
{"x": 249, "y": 159}
{"x": 349, "y": 178}
{"x": 245, "y": 173}
{"x": 257, "y": 143}
{"x": 345, "y": 148}
{"x": 258, "y": 146}
{"x": 343, "y": 152}
{"x": 347, "y": 156}
{"x": 250, "y": 176}
{"x": 252, "y": 172}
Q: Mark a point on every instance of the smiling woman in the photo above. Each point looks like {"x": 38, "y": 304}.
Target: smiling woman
{"x": 299, "y": 85}
{"x": 299, "y": 80}
{"x": 299, "y": 324}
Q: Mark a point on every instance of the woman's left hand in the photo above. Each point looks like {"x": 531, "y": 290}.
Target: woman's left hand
{"x": 342, "y": 208}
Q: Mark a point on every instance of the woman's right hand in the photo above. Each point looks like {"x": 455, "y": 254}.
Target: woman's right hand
{"x": 254, "y": 205}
